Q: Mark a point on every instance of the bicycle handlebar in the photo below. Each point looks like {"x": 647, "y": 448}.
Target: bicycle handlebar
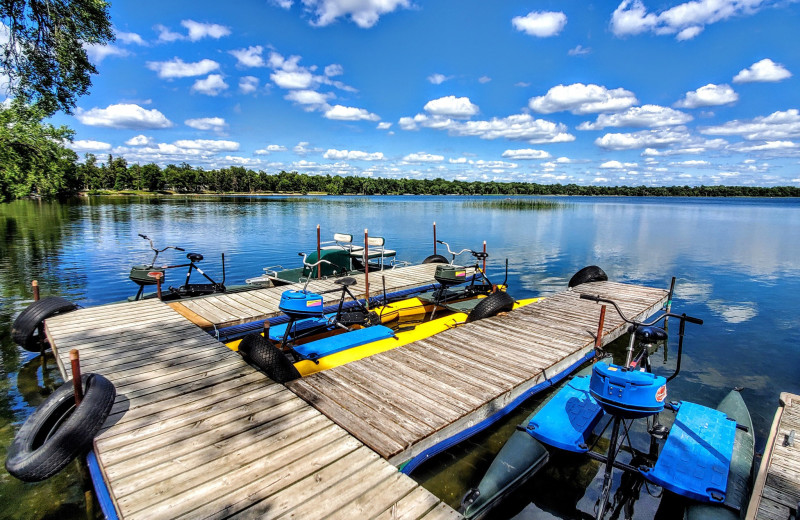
{"x": 453, "y": 252}
{"x": 682, "y": 317}
{"x": 160, "y": 250}
{"x": 314, "y": 264}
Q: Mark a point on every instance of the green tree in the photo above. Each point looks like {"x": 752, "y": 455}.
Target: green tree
{"x": 152, "y": 177}
{"x": 32, "y": 156}
{"x": 45, "y": 58}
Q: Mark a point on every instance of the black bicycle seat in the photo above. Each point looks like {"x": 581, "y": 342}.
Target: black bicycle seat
{"x": 347, "y": 281}
{"x": 650, "y": 334}
{"x": 194, "y": 257}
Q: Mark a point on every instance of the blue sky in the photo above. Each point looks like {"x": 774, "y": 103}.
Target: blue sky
{"x": 640, "y": 92}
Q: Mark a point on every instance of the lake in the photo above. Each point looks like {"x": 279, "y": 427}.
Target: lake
{"x": 737, "y": 262}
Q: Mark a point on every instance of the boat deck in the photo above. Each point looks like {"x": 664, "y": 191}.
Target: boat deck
{"x": 224, "y": 310}
{"x": 195, "y": 432}
{"x": 776, "y": 493}
{"x": 404, "y": 401}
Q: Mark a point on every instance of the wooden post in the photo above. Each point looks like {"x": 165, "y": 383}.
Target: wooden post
{"x": 159, "y": 277}
{"x": 434, "y": 237}
{"x": 484, "y": 257}
{"x": 598, "y": 341}
{"x": 40, "y": 327}
{"x": 35, "y": 285}
{"x": 319, "y": 250}
{"x": 366, "y": 267}
{"x": 74, "y": 359}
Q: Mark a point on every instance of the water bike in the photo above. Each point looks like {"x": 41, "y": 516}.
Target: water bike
{"x": 313, "y": 339}
{"x": 706, "y": 455}
{"x": 145, "y": 275}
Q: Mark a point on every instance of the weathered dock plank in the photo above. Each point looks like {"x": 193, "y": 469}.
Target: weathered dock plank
{"x": 195, "y": 432}
{"x": 480, "y": 367}
{"x": 776, "y": 492}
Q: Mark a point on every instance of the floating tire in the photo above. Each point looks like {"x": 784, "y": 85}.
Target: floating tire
{"x": 266, "y": 356}
{"x": 24, "y": 330}
{"x": 58, "y": 431}
{"x": 492, "y": 305}
{"x": 590, "y": 273}
{"x": 436, "y": 259}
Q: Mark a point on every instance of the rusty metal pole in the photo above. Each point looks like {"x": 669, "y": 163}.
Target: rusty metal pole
{"x": 74, "y": 359}
{"x": 366, "y": 266}
{"x": 40, "y": 327}
{"x": 434, "y": 237}
{"x": 484, "y": 257}
{"x": 159, "y": 278}
{"x": 598, "y": 340}
{"x": 319, "y": 267}
{"x": 35, "y": 285}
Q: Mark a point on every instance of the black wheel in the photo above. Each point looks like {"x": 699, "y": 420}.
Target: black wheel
{"x": 268, "y": 358}
{"x": 24, "y": 330}
{"x": 492, "y": 305}
{"x": 590, "y": 273}
{"x": 436, "y": 259}
{"x": 58, "y": 431}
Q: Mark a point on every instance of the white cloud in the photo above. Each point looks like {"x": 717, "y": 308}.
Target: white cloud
{"x": 208, "y": 145}
{"x": 166, "y": 35}
{"x": 343, "y": 113}
{"x": 582, "y": 99}
{"x": 685, "y": 20}
{"x": 283, "y": 4}
{"x": 300, "y": 79}
{"x": 708, "y": 96}
{"x": 690, "y": 163}
{"x": 776, "y": 126}
{"x": 451, "y": 106}
{"x": 422, "y": 157}
{"x": 248, "y": 84}
{"x": 87, "y": 145}
{"x": 353, "y": 155}
{"x": 518, "y": 127}
{"x": 177, "y": 68}
{"x": 139, "y": 140}
{"x": 643, "y": 139}
{"x": 526, "y": 153}
{"x": 438, "y": 79}
{"x": 129, "y": 38}
{"x": 484, "y": 79}
{"x": 364, "y": 13}
{"x": 309, "y": 97}
{"x": 384, "y": 125}
{"x": 198, "y": 30}
{"x": 123, "y": 115}
{"x": 768, "y": 146}
{"x": 644, "y": 116}
{"x": 616, "y": 165}
{"x": 302, "y": 148}
{"x": 270, "y": 148}
{"x": 211, "y": 86}
{"x": 334, "y": 70}
{"x": 540, "y": 23}
{"x": 217, "y": 124}
{"x": 765, "y": 70}
{"x": 580, "y": 50}
{"x": 97, "y": 53}
{"x": 249, "y": 57}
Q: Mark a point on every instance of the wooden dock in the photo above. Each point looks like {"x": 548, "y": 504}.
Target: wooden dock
{"x": 407, "y": 400}
{"x": 195, "y": 432}
{"x": 224, "y": 310}
{"x": 776, "y": 493}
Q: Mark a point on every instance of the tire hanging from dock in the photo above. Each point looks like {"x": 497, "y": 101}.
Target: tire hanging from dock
{"x": 58, "y": 431}
{"x": 590, "y": 273}
{"x": 268, "y": 358}
{"x": 492, "y": 305}
{"x": 435, "y": 259}
{"x": 27, "y": 323}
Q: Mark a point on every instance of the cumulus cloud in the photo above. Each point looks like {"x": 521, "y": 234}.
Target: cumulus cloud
{"x": 249, "y": 57}
{"x": 616, "y": 165}
{"x": 451, "y": 106}
{"x": 643, "y": 139}
{"x": 353, "y": 155}
{"x": 540, "y": 23}
{"x": 309, "y": 97}
{"x": 765, "y": 70}
{"x": 208, "y": 145}
{"x": 384, "y": 125}
{"x": 299, "y": 79}
{"x": 518, "y": 127}
{"x": 779, "y": 125}
{"x": 177, "y": 68}
{"x": 211, "y": 86}
{"x": 198, "y": 30}
{"x": 270, "y": 148}
{"x": 88, "y": 145}
{"x": 364, "y": 13}
{"x": 343, "y": 113}
{"x": 139, "y": 140}
{"x": 217, "y": 124}
{"x": 768, "y": 146}
{"x": 248, "y": 84}
{"x": 123, "y": 115}
{"x": 334, "y": 69}
{"x": 484, "y": 79}
{"x": 580, "y": 50}
{"x": 422, "y": 157}
{"x": 644, "y": 116}
{"x": 582, "y": 99}
{"x": 526, "y": 154}
{"x": 166, "y": 35}
{"x": 685, "y": 20}
{"x": 129, "y": 38}
{"x": 708, "y": 96}
{"x": 438, "y": 79}
{"x": 97, "y": 53}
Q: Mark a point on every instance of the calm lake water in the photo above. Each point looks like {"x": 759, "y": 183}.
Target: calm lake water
{"x": 737, "y": 262}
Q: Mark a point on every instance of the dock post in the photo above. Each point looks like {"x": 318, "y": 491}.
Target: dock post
{"x": 319, "y": 267}
{"x": 434, "y": 237}
{"x": 74, "y": 359}
{"x": 598, "y": 340}
{"x": 484, "y": 257}
{"x": 40, "y": 327}
{"x": 35, "y": 285}
{"x": 366, "y": 267}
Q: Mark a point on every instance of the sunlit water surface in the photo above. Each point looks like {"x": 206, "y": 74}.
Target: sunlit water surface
{"x": 737, "y": 262}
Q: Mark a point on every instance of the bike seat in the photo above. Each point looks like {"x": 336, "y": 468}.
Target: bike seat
{"x": 194, "y": 257}
{"x": 650, "y": 334}
{"x": 347, "y": 281}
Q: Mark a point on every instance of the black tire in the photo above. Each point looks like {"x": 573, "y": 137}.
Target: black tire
{"x": 492, "y": 305}
{"x": 268, "y": 358}
{"x": 436, "y": 259}
{"x": 24, "y": 330}
{"x": 57, "y": 432}
{"x": 590, "y": 273}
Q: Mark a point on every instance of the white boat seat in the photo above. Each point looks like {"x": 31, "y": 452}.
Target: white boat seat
{"x": 343, "y": 241}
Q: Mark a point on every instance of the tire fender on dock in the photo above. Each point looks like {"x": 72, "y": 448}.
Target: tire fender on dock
{"x": 23, "y": 331}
